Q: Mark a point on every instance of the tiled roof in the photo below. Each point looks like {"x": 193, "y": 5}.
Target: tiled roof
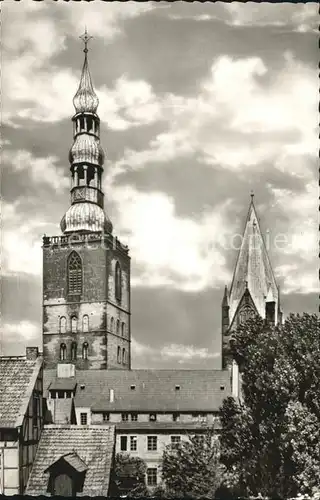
{"x": 152, "y": 390}
{"x": 93, "y": 444}
{"x": 17, "y": 380}
{"x": 164, "y": 426}
{"x": 75, "y": 461}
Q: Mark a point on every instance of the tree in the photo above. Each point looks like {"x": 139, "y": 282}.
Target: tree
{"x": 261, "y": 440}
{"x": 128, "y": 478}
{"x": 190, "y": 469}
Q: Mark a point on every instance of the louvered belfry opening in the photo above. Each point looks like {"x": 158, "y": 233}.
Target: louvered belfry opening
{"x": 74, "y": 274}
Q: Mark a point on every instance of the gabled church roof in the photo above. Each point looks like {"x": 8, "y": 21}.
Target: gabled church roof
{"x": 253, "y": 269}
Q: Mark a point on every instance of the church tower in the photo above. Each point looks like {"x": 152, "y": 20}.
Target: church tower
{"x": 86, "y": 269}
{"x": 253, "y": 289}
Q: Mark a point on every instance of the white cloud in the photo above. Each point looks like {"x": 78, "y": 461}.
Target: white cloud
{"x": 178, "y": 353}
{"x": 236, "y": 117}
{"x": 21, "y": 241}
{"x": 298, "y": 244}
{"x": 299, "y": 17}
{"x": 171, "y": 250}
{"x": 14, "y": 337}
{"x": 37, "y": 90}
{"x": 41, "y": 170}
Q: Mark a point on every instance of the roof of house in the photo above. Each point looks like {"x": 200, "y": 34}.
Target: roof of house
{"x": 72, "y": 459}
{"x": 93, "y": 444}
{"x": 155, "y": 427}
{"x": 17, "y": 380}
{"x": 75, "y": 461}
{"x": 63, "y": 384}
{"x": 149, "y": 390}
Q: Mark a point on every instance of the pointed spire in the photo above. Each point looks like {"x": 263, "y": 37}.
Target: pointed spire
{"x": 225, "y": 300}
{"x": 253, "y": 271}
{"x": 85, "y": 98}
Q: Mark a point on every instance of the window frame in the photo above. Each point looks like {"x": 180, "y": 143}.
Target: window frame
{"x": 152, "y": 417}
{"x": 74, "y": 275}
{"x": 83, "y": 416}
{"x": 152, "y": 443}
{"x": 85, "y": 318}
{"x": 152, "y": 476}
{"x": 63, "y": 352}
{"x": 85, "y": 351}
{"x": 133, "y": 443}
{"x": 134, "y": 417}
{"x": 118, "y": 282}
{"x": 175, "y": 441}
{"x": 124, "y": 417}
{"x": 74, "y": 351}
{"x": 123, "y": 439}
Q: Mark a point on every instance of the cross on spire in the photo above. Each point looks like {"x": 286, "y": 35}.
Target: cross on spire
{"x": 85, "y": 38}
{"x": 252, "y": 195}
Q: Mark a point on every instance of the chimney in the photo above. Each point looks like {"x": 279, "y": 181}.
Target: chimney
{"x": 111, "y": 399}
{"x": 32, "y": 353}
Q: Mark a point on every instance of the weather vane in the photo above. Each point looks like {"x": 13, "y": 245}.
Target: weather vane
{"x": 85, "y": 38}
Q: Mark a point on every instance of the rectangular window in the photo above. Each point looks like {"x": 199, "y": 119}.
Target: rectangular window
{"x": 133, "y": 443}
{"x": 123, "y": 443}
{"x": 119, "y": 354}
{"x": 152, "y": 417}
{"x": 176, "y": 417}
{"x": 152, "y": 476}
{"x": 203, "y": 417}
{"x": 175, "y": 440}
{"x": 124, "y": 417}
{"x": 83, "y": 418}
{"x": 106, "y": 417}
{"x": 152, "y": 443}
{"x": 134, "y": 417}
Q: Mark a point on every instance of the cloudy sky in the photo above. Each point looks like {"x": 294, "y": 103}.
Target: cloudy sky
{"x": 200, "y": 104}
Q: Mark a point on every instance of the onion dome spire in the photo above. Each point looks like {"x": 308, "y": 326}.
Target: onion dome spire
{"x": 85, "y": 98}
{"x": 86, "y": 157}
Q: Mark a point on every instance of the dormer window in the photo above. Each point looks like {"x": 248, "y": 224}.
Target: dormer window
{"x": 67, "y": 475}
{"x": 177, "y": 387}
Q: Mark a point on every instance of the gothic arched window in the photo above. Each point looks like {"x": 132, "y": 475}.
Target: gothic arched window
{"x": 74, "y": 322}
{"x": 74, "y": 273}
{"x": 118, "y": 327}
{"x": 123, "y": 329}
{"x": 73, "y": 351}
{"x": 123, "y": 356}
{"x": 85, "y": 347}
{"x": 63, "y": 351}
{"x": 112, "y": 325}
{"x": 62, "y": 325}
{"x": 85, "y": 323}
{"x": 119, "y": 354}
{"x": 118, "y": 281}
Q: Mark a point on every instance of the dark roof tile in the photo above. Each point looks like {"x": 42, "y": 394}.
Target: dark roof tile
{"x": 93, "y": 444}
{"x": 17, "y": 380}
